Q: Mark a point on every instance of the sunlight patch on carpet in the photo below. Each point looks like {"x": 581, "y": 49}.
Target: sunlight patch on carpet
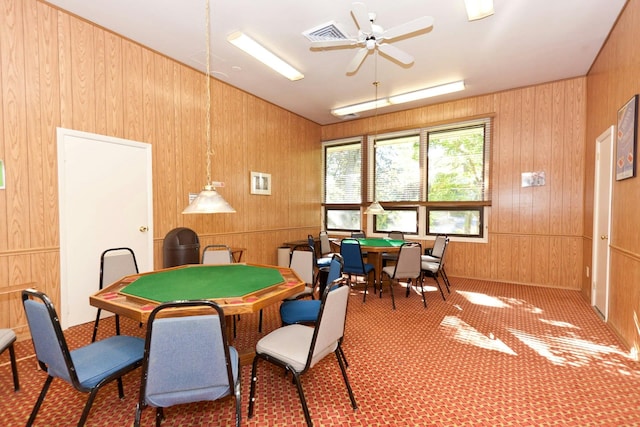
{"x": 467, "y": 334}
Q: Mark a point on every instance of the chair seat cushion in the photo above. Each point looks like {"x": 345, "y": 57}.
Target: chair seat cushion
{"x": 302, "y": 311}
{"x": 323, "y": 262}
{"x": 430, "y": 266}
{"x": 7, "y": 336}
{"x": 101, "y": 359}
{"x": 290, "y": 344}
{"x": 429, "y": 258}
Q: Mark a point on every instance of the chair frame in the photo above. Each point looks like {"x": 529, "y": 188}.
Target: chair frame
{"x": 339, "y": 283}
{"x": 12, "y": 358}
{"x": 31, "y": 294}
{"x": 394, "y": 277}
{"x": 234, "y": 386}
{"x": 101, "y": 285}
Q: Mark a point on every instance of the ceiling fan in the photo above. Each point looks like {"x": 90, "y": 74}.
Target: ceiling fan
{"x": 372, "y": 36}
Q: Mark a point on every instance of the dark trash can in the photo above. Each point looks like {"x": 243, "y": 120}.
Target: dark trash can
{"x": 180, "y": 246}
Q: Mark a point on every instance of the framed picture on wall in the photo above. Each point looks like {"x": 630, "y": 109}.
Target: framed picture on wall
{"x": 260, "y": 183}
{"x": 627, "y": 140}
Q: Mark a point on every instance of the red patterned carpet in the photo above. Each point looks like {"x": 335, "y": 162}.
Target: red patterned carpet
{"x": 492, "y": 354}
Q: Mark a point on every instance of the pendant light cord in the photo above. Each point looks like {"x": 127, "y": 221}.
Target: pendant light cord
{"x": 208, "y": 104}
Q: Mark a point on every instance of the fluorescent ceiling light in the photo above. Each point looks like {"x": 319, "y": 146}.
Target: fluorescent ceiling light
{"x": 428, "y": 92}
{"x": 478, "y": 9}
{"x": 399, "y": 99}
{"x": 256, "y": 50}
{"x": 356, "y": 108}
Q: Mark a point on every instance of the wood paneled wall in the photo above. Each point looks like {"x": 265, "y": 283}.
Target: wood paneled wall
{"x": 613, "y": 79}
{"x": 60, "y": 71}
{"x": 535, "y": 233}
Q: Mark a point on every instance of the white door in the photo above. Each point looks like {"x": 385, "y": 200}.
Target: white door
{"x": 603, "y": 181}
{"x": 106, "y": 201}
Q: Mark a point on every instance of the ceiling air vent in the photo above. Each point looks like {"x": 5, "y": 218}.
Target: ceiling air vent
{"x": 329, "y": 31}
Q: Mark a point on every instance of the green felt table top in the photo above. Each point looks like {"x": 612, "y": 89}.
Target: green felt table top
{"x": 203, "y": 282}
{"x": 381, "y": 242}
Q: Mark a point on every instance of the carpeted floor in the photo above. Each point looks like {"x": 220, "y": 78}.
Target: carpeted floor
{"x": 492, "y": 354}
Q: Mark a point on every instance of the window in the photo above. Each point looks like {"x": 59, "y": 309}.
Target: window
{"x": 343, "y": 185}
{"x": 436, "y": 176}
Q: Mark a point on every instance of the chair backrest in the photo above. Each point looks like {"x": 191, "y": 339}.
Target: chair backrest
{"x": 115, "y": 263}
{"x": 187, "y": 358}
{"x": 409, "y": 263}
{"x": 303, "y": 262}
{"x": 335, "y": 268}
{"x": 444, "y": 252}
{"x": 358, "y": 234}
{"x": 439, "y": 245}
{"x": 49, "y": 342}
{"x": 217, "y": 254}
{"x": 352, "y": 255}
{"x": 396, "y": 235}
{"x": 325, "y": 245}
{"x": 329, "y": 328}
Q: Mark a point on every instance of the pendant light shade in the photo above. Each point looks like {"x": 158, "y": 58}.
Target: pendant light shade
{"x": 209, "y": 200}
{"x": 374, "y": 208}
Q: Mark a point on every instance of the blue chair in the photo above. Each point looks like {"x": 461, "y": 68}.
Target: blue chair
{"x": 187, "y": 359}
{"x": 298, "y": 348}
{"x": 306, "y": 311}
{"x": 87, "y": 368}
{"x": 354, "y": 265}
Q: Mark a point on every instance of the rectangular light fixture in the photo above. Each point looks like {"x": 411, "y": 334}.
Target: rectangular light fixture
{"x": 356, "y": 108}
{"x": 478, "y": 9}
{"x": 399, "y": 99}
{"x": 256, "y": 50}
{"x": 427, "y": 93}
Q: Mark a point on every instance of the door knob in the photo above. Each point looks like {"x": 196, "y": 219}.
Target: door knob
{"x": 143, "y": 229}
{"x": 604, "y": 237}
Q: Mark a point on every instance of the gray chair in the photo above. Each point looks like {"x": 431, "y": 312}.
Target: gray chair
{"x": 408, "y": 267}
{"x": 358, "y": 234}
{"x": 115, "y": 263}
{"x": 303, "y": 262}
{"x": 88, "y": 368}
{"x": 325, "y": 244}
{"x": 434, "y": 254}
{"x": 187, "y": 359}
{"x": 389, "y": 257}
{"x": 298, "y": 348}
{"x": 435, "y": 268}
{"x": 7, "y": 338}
{"x": 217, "y": 254}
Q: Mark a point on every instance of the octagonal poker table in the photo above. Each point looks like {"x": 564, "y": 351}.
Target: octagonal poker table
{"x": 237, "y": 288}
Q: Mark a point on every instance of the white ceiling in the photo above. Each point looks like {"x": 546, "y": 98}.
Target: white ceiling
{"x": 525, "y": 42}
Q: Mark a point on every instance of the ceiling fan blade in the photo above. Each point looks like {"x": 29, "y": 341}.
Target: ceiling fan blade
{"x": 408, "y": 28}
{"x": 333, "y": 43}
{"x": 395, "y": 53}
{"x": 361, "y": 15}
{"x": 357, "y": 60}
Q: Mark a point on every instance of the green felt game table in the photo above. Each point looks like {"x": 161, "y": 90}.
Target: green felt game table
{"x": 237, "y": 288}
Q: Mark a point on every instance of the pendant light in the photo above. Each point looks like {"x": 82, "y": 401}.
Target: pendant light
{"x": 208, "y": 200}
{"x": 375, "y": 208}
